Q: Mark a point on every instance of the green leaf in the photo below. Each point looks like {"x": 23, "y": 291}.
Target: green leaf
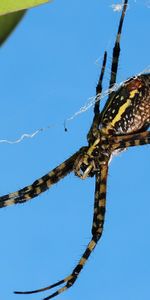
{"x": 8, "y": 23}
{"x": 8, "y": 6}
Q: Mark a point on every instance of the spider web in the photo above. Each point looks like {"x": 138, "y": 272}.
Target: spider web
{"x": 117, "y": 7}
{"x": 90, "y": 103}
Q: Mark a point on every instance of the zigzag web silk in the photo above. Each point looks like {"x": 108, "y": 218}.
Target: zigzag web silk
{"x": 91, "y": 101}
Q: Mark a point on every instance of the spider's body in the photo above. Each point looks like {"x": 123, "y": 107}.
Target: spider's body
{"x": 122, "y": 123}
{"x": 128, "y": 109}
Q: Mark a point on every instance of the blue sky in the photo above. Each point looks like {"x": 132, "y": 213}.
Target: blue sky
{"x": 48, "y": 70}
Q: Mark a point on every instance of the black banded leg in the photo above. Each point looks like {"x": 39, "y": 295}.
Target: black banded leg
{"x": 125, "y": 141}
{"x": 69, "y": 280}
{"x": 116, "y": 49}
{"x": 96, "y": 118}
{"x": 100, "y": 199}
{"x": 114, "y": 67}
{"x": 40, "y": 185}
{"x": 99, "y": 85}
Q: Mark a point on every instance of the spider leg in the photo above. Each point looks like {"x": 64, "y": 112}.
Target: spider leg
{"x": 130, "y": 140}
{"x": 99, "y": 86}
{"x": 96, "y": 118}
{"x": 114, "y": 67}
{"x": 40, "y": 185}
{"x": 100, "y": 199}
{"x": 116, "y": 49}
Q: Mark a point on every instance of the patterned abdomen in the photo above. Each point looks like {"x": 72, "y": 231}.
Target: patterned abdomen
{"x": 128, "y": 109}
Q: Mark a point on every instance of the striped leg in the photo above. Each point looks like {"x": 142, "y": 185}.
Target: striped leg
{"x": 96, "y": 119}
{"x": 116, "y": 49}
{"x": 40, "y": 185}
{"x": 130, "y": 140}
{"x": 100, "y": 199}
{"x": 99, "y": 85}
{"x": 100, "y": 193}
{"x": 114, "y": 67}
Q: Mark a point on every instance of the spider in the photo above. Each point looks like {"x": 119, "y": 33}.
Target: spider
{"x": 123, "y": 123}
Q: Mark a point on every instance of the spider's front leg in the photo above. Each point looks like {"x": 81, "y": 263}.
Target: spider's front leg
{"x": 97, "y": 229}
{"x": 42, "y": 184}
{"x": 100, "y": 199}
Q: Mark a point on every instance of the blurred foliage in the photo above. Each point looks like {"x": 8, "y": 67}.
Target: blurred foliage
{"x": 8, "y": 22}
{"x": 9, "y": 6}
{"x": 11, "y": 12}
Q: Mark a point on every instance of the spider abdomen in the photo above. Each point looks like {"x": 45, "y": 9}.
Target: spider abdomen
{"x": 128, "y": 109}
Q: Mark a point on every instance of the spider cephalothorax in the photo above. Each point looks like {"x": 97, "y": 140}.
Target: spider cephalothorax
{"x": 122, "y": 123}
{"x": 88, "y": 163}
